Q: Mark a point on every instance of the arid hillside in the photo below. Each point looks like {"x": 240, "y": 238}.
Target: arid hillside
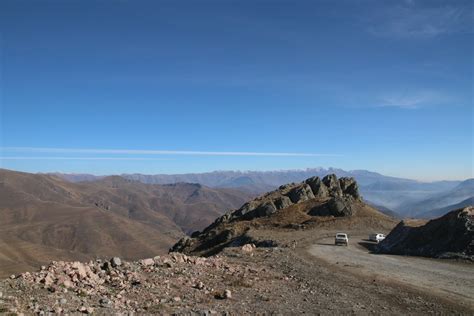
{"x": 450, "y": 236}
{"x": 314, "y": 203}
{"x": 44, "y": 218}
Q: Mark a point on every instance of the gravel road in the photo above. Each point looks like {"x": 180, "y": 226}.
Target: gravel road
{"x": 448, "y": 279}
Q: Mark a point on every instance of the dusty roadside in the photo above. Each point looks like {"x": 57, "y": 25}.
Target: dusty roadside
{"x": 446, "y": 278}
{"x": 443, "y": 278}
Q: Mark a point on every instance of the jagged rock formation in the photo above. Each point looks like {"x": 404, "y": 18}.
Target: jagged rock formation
{"x": 329, "y": 188}
{"x": 329, "y": 196}
{"x": 449, "y": 236}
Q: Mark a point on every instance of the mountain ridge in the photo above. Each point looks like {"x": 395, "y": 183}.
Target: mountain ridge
{"x": 396, "y": 194}
{"x": 171, "y": 178}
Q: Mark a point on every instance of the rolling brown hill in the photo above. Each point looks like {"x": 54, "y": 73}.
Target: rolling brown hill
{"x": 44, "y": 218}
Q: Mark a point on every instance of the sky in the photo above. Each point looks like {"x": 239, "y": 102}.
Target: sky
{"x": 108, "y": 87}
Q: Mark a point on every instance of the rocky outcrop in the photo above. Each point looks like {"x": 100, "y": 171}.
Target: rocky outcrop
{"x": 331, "y": 197}
{"x": 331, "y": 182}
{"x": 449, "y": 236}
{"x": 340, "y": 192}
{"x": 318, "y": 187}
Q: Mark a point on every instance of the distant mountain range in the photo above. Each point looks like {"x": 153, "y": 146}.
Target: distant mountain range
{"x": 404, "y": 196}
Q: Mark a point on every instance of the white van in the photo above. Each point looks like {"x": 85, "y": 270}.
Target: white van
{"x": 341, "y": 239}
{"x": 376, "y": 237}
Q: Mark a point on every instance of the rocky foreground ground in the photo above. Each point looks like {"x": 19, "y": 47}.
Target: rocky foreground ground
{"x": 244, "y": 280}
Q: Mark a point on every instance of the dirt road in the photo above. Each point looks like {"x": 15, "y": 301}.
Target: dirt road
{"x": 447, "y": 279}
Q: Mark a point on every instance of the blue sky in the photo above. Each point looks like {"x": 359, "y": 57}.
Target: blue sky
{"x": 190, "y": 86}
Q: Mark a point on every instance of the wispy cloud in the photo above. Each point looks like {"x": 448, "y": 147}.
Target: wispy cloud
{"x": 416, "y": 21}
{"x": 75, "y": 158}
{"x": 158, "y": 152}
{"x": 411, "y": 101}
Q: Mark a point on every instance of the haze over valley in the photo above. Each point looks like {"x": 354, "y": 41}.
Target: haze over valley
{"x": 408, "y": 198}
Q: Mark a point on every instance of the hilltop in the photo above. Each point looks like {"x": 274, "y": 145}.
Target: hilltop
{"x": 313, "y": 203}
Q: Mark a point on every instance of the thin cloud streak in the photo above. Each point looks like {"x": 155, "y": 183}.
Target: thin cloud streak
{"x": 78, "y": 158}
{"x": 161, "y": 152}
{"x": 414, "y": 100}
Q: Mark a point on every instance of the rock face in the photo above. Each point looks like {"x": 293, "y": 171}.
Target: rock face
{"x": 301, "y": 193}
{"x": 334, "y": 207}
{"x": 331, "y": 197}
{"x": 349, "y": 187}
{"x": 318, "y": 187}
{"x": 344, "y": 190}
{"x": 449, "y": 236}
{"x": 331, "y": 182}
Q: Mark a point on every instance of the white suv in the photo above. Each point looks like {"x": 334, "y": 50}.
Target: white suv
{"x": 376, "y": 237}
{"x": 341, "y": 239}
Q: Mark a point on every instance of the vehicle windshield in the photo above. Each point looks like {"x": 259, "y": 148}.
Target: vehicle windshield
{"x": 341, "y": 235}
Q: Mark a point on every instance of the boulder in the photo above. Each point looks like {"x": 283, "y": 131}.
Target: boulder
{"x": 349, "y": 187}
{"x": 265, "y": 209}
{"x": 247, "y": 208}
{"x": 301, "y": 193}
{"x": 282, "y": 202}
{"x": 336, "y": 207}
{"x": 283, "y": 189}
{"x": 331, "y": 182}
{"x": 48, "y": 279}
{"x": 318, "y": 187}
{"x": 248, "y": 247}
{"x": 81, "y": 270}
{"x": 340, "y": 207}
{"x": 223, "y": 295}
{"x": 147, "y": 262}
{"x": 115, "y": 262}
